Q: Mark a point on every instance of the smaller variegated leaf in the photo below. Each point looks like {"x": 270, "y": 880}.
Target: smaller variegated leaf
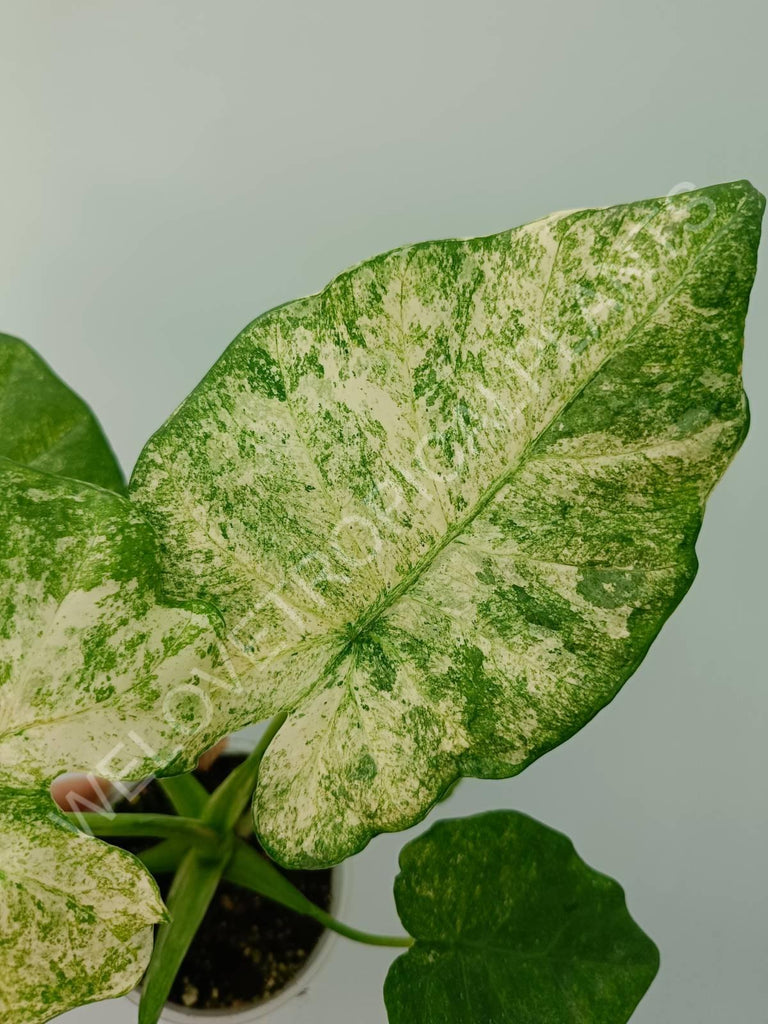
{"x": 512, "y": 927}
{"x": 45, "y": 425}
{"x": 76, "y": 564}
{"x": 76, "y": 915}
{"x": 97, "y": 673}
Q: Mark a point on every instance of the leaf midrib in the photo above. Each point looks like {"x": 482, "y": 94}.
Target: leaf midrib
{"x": 378, "y": 608}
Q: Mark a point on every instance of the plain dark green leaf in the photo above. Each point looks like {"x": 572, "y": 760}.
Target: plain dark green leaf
{"x": 45, "y": 425}
{"x": 512, "y": 927}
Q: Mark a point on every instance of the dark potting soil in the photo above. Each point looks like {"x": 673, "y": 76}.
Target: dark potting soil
{"x": 247, "y": 947}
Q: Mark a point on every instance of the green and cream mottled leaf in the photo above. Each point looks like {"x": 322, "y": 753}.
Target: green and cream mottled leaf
{"x": 445, "y": 505}
{"x": 45, "y": 425}
{"x": 96, "y": 673}
{"x": 76, "y": 915}
{"x": 511, "y": 926}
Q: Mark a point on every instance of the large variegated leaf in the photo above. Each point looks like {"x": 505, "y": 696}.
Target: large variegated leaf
{"x": 96, "y": 673}
{"x": 445, "y": 505}
{"x": 76, "y": 915}
{"x": 512, "y": 927}
{"x": 45, "y": 425}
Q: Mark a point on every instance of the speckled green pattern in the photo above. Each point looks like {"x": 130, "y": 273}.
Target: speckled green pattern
{"x": 512, "y": 927}
{"x": 76, "y": 915}
{"x": 85, "y": 651}
{"x": 96, "y": 674}
{"x": 445, "y": 505}
{"x": 45, "y": 425}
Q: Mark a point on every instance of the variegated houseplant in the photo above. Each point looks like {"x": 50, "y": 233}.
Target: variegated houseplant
{"x": 429, "y": 521}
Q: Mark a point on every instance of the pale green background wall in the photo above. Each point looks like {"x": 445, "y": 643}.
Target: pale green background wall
{"x": 171, "y": 169}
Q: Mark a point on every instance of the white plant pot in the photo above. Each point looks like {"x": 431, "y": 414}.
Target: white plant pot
{"x": 290, "y": 1005}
